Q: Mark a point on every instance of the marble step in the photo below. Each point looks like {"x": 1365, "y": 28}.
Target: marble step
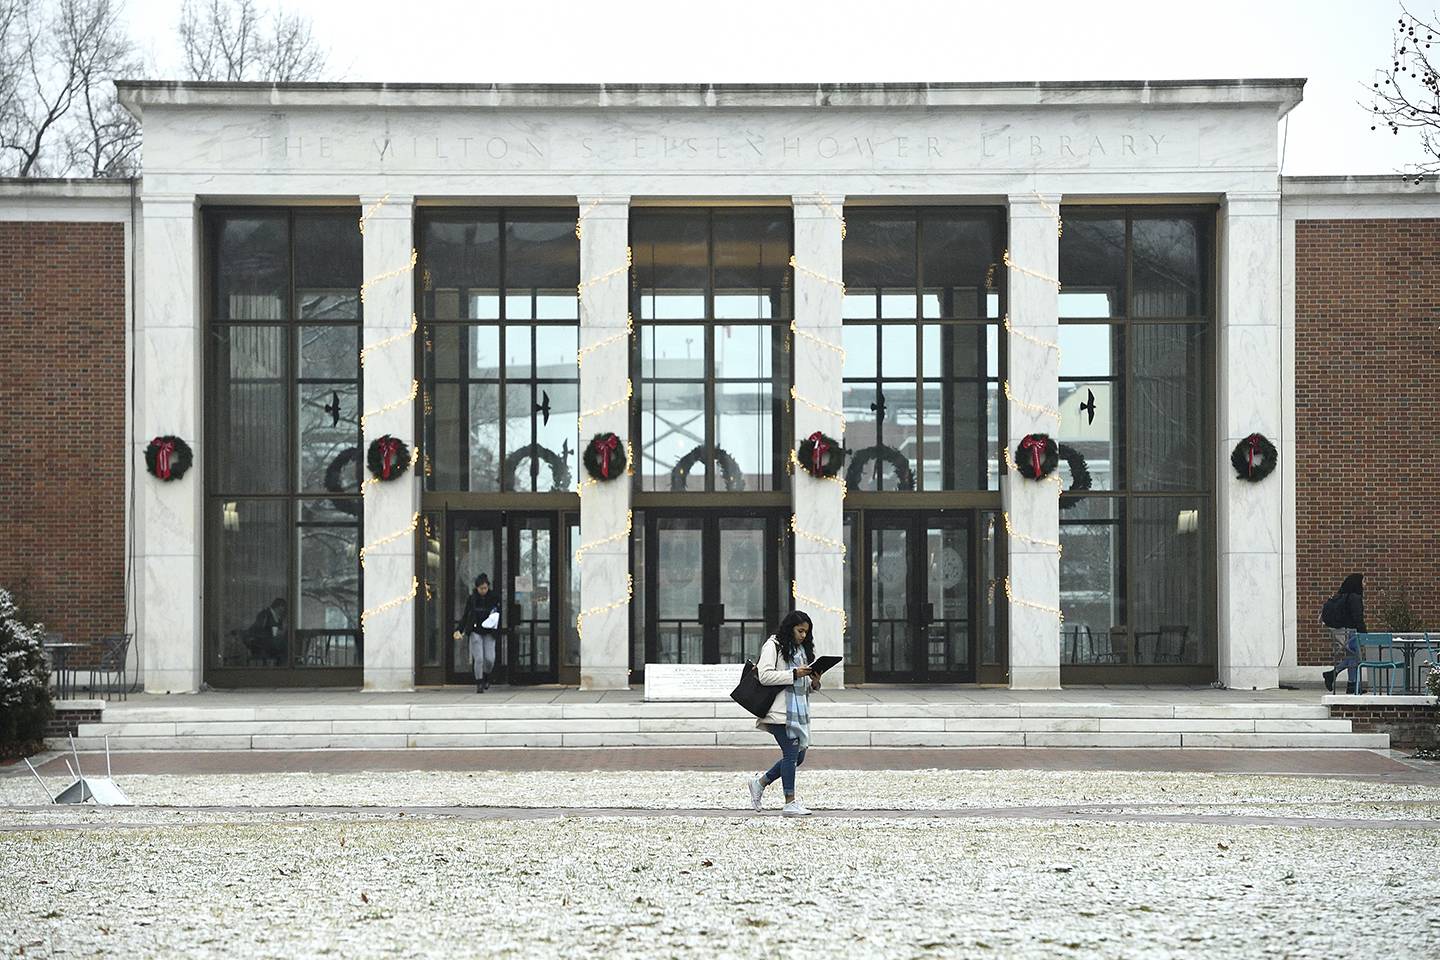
{"x": 92, "y": 738}
{"x": 638, "y": 710}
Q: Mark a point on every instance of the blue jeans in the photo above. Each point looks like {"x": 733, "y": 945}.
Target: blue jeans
{"x": 1347, "y": 655}
{"x": 791, "y": 756}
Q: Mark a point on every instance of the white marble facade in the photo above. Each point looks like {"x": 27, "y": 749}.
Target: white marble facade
{"x": 607, "y": 149}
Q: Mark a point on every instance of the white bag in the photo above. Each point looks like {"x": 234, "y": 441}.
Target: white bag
{"x": 491, "y": 622}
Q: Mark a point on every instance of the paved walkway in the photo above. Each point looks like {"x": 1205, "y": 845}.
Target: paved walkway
{"x": 1346, "y": 764}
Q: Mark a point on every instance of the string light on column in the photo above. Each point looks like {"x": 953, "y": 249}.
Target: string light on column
{"x": 581, "y": 617}
{"x": 819, "y": 407}
{"x": 618, "y": 337}
{"x": 629, "y": 331}
{"x": 616, "y": 537}
{"x": 793, "y": 463}
{"x": 818, "y": 340}
{"x": 817, "y": 603}
{"x": 395, "y": 338}
{"x": 1053, "y": 611}
{"x": 1054, "y": 478}
{"x": 1029, "y": 539}
{"x": 390, "y": 274}
{"x": 1028, "y": 272}
{"x": 1054, "y": 211}
{"x": 365, "y": 615}
{"x": 1038, "y": 341}
{"x": 370, "y": 211}
{"x": 816, "y": 275}
{"x": 389, "y": 538}
{"x": 393, "y": 405}
{"x": 1032, "y": 407}
{"x": 814, "y": 537}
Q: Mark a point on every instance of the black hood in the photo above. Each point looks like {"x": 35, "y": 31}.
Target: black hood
{"x": 1355, "y": 583}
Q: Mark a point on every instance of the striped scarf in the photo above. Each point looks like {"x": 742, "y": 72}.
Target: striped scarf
{"x": 797, "y": 705}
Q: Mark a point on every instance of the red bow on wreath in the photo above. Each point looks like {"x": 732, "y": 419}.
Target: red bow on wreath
{"x": 1254, "y": 439}
{"x": 817, "y": 453}
{"x": 163, "y": 450}
{"x": 1036, "y": 447}
{"x": 389, "y": 447}
{"x": 605, "y": 446}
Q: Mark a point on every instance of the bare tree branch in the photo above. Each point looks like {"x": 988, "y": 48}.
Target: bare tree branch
{"x": 228, "y": 40}
{"x": 1406, "y": 94}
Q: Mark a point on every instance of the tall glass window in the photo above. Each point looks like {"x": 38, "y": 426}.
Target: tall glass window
{"x": 922, "y": 363}
{"x": 712, "y": 304}
{"x": 501, "y": 325}
{"x": 1136, "y": 315}
{"x": 283, "y": 403}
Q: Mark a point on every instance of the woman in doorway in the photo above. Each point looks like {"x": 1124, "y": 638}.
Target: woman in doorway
{"x": 481, "y": 623}
{"x": 784, "y": 662}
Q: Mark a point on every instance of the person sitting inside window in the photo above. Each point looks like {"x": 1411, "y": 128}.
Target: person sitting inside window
{"x": 266, "y": 639}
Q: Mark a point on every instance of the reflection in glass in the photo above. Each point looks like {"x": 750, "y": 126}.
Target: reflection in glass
{"x": 252, "y": 266}
{"x": 1169, "y": 270}
{"x": 891, "y": 642}
{"x": 328, "y": 261}
{"x": 678, "y": 590}
{"x": 742, "y": 587}
{"x": 947, "y": 590}
{"x": 249, "y": 387}
{"x": 1168, "y": 572}
{"x": 1092, "y": 582}
{"x": 328, "y": 626}
{"x": 672, "y": 424}
{"x": 1167, "y": 408}
{"x": 433, "y": 626}
{"x": 459, "y": 267}
{"x": 1092, "y": 268}
{"x": 253, "y": 556}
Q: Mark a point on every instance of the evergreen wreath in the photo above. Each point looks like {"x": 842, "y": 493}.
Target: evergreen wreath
{"x": 1037, "y": 456}
{"x": 604, "y": 457}
{"x": 387, "y": 458}
{"x": 1254, "y": 458}
{"x": 168, "y": 458}
{"x": 821, "y": 455}
{"x": 1079, "y": 474}
{"x": 904, "y": 476}
{"x": 729, "y": 469}
{"x": 559, "y": 469}
{"x": 335, "y": 480}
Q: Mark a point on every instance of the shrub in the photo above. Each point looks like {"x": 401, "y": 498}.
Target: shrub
{"x": 25, "y": 706}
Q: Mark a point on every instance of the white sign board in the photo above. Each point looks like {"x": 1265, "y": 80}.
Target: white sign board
{"x": 690, "y": 681}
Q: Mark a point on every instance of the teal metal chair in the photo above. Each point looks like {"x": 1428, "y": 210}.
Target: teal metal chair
{"x": 1376, "y": 652}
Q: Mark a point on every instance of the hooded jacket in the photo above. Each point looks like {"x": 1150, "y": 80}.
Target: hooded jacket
{"x": 1347, "y": 607}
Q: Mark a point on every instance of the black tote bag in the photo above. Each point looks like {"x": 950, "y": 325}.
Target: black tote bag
{"x": 751, "y": 694}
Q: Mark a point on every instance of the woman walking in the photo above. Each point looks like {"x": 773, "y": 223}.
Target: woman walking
{"x": 1343, "y": 616}
{"x": 784, "y": 662}
{"x": 481, "y": 623}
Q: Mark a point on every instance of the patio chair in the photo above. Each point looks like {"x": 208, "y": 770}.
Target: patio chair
{"x": 1174, "y": 639}
{"x": 1376, "y": 651}
{"x": 114, "y": 659}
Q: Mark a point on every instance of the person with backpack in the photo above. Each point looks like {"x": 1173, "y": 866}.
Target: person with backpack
{"x": 784, "y": 662}
{"x": 1343, "y": 615}
{"x": 481, "y": 623}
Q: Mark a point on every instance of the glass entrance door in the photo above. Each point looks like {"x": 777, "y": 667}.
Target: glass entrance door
{"x": 714, "y": 593}
{"x": 518, "y": 552}
{"x": 921, "y": 606}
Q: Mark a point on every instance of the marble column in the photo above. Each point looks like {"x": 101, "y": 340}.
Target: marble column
{"x": 1250, "y": 515}
{"x": 1034, "y": 507}
{"x": 819, "y": 587}
{"x": 604, "y": 378}
{"x": 388, "y": 378}
{"x": 170, "y": 521}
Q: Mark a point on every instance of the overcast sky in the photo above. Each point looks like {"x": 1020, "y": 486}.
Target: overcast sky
{"x": 1335, "y": 44}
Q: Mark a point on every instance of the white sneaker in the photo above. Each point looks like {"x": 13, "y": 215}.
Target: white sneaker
{"x": 757, "y": 790}
{"x": 793, "y": 809}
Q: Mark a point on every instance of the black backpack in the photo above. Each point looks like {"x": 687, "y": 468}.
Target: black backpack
{"x": 1335, "y": 611}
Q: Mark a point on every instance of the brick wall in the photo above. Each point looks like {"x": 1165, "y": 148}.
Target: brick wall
{"x": 1367, "y": 381}
{"x": 62, "y": 423}
{"x": 1409, "y": 725}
